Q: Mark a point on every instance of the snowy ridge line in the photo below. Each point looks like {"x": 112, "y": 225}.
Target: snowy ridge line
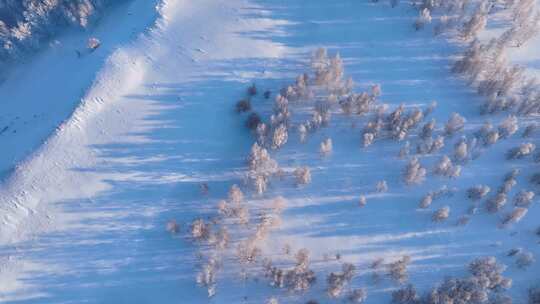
{"x": 37, "y": 172}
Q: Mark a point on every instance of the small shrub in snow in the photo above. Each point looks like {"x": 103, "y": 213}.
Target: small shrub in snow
{"x": 405, "y": 150}
{"x": 523, "y": 198}
{"x": 362, "y": 201}
{"x": 509, "y": 181}
{"x": 200, "y": 230}
{"x": 507, "y": 186}
{"x": 381, "y": 186}
{"x": 405, "y": 295}
{"x": 521, "y": 151}
{"x": 491, "y": 138}
{"x": 426, "y": 201}
{"x": 441, "y": 214}
{"x": 461, "y": 151}
{"x": 524, "y": 260}
{"x": 247, "y": 252}
{"x": 243, "y": 105}
{"x": 235, "y": 194}
{"x": 398, "y": 269}
{"x": 508, "y": 127}
{"x": 172, "y": 227}
{"x": 222, "y": 239}
{"x": 455, "y": 124}
{"x": 326, "y": 147}
{"x": 207, "y": 276}
{"x": 368, "y": 139}
{"x": 303, "y": 175}
{"x": 427, "y": 129}
{"x": 512, "y": 174}
{"x": 280, "y": 136}
{"x": 430, "y": 145}
{"x": 253, "y": 121}
{"x": 477, "y": 192}
{"x": 338, "y": 280}
{"x": 272, "y": 301}
{"x": 358, "y": 295}
{"x": 93, "y": 44}
{"x": 262, "y": 133}
{"x": 302, "y": 131}
{"x": 515, "y": 216}
{"x": 414, "y": 172}
{"x": 445, "y": 168}
{"x": 495, "y": 203}
{"x": 424, "y": 17}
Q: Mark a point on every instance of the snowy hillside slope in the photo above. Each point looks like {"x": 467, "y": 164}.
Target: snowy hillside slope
{"x": 84, "y": 217}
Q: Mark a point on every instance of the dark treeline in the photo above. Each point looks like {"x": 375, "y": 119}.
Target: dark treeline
{"x": 25, "y": 24}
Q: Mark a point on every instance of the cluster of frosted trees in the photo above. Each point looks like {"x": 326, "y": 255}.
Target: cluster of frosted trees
{"x": 25, "y": 24}
{"x": 485, "y": 64}
{"x": 237, "y": 226}
{"x": 485, "y": 284}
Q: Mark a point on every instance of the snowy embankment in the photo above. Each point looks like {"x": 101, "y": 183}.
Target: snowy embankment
{"x": 85, "y": 215}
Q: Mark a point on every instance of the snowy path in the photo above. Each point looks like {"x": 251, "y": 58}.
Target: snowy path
{"x": 84, "y": 216}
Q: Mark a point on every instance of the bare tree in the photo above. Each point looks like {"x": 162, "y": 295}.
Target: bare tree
{"x": 477, "y": 192}
{"x": 515, "y": 216}
{"x": 358, "y": 295}
{"x": 446, "y": 168}
{"x": 381, "y": 186}
{"x": 455, "y": 124}
{"x": 405, "y": 295}
{"x": 423, "y": 18}
{"x": 414, "y": 172}
{"x": 495, "y": 203}
{"x": 398, "y": 269}
{"x": 441, "y": 214}
{"x": 303, "y": 175}
{"x": 521, "y": 151}
{"x": 523, "y": 198}
{"x": 326, "y": 147}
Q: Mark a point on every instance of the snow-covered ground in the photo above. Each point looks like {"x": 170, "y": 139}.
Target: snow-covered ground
{"x": 83, "y": 215}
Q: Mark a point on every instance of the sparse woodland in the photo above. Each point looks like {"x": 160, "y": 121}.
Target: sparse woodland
{"x": 429, "y": 149}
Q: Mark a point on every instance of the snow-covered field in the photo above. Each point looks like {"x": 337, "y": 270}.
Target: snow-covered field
{"x": 103, "y": 151}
